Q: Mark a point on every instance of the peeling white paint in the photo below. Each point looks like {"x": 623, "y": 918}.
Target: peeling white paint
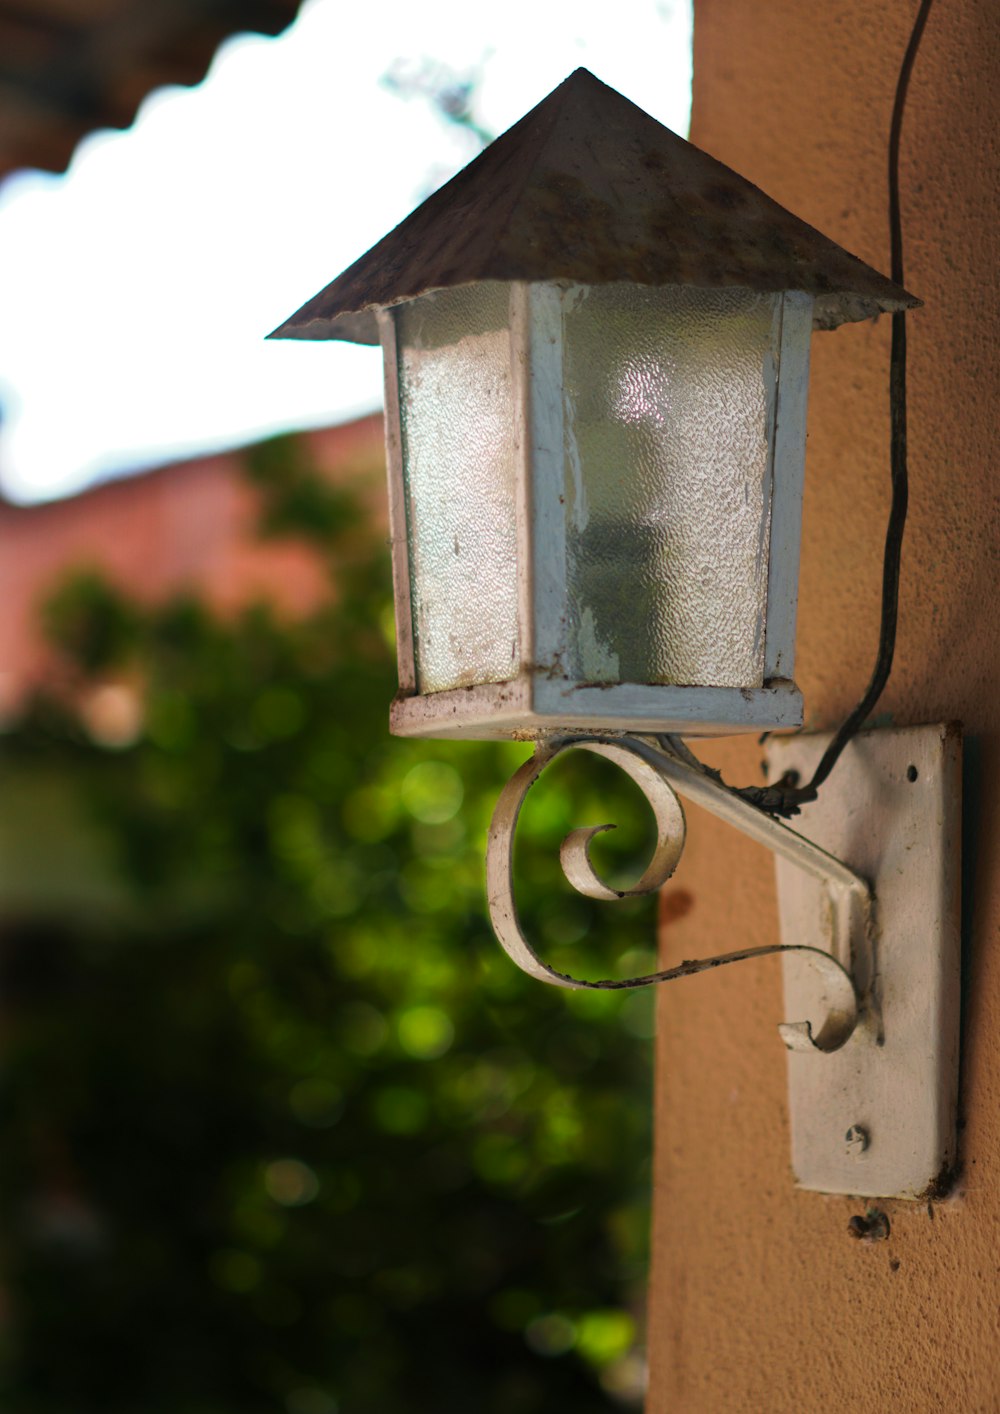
{"x": 597, "y": 662}
{"x": 578, "y": 511}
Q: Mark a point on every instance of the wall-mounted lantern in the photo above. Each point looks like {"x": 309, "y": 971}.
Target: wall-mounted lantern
{"x": 596, "y": 347}
{"x": 596, "y": 344}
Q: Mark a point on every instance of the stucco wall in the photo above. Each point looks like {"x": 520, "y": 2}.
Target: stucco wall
{"x": 760, "y": 1299}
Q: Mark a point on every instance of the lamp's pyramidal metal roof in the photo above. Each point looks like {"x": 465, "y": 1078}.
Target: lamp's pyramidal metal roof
{"x": 588, "y": 188}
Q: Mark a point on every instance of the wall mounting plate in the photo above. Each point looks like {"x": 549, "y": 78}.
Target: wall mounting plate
{"x": 877, "y": 1117}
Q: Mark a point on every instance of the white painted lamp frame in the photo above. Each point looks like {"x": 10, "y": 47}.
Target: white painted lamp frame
{"x": 539, "y": 699}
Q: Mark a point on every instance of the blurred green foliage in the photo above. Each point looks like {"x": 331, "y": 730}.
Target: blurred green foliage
{"x": 287, "y": 1132}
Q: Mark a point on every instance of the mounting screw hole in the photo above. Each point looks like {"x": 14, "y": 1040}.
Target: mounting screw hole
{"x": 912, "y": 773}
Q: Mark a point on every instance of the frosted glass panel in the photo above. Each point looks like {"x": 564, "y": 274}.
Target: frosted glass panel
{"x": 668, "y": 398}
{"x": 458, "y": 462}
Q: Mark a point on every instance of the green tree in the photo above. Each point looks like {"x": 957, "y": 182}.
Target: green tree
{"x": 284, "y": 1130}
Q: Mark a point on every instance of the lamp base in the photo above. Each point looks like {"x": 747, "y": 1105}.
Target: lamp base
{"x": 528, "y": 708}
{"x": 876, "y": 1118}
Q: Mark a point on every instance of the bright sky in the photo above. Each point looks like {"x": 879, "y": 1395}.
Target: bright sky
{"x": 135, "y": 292}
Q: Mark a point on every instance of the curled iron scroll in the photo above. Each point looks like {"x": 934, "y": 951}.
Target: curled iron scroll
{"x": 834, "y": 984}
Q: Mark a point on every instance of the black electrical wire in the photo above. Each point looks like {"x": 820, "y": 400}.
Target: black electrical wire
{"x": 785, "y": 797}
{"x": 897, "y": 445}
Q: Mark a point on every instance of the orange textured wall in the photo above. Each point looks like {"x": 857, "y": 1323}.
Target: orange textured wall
{"x": 760, "y": 1299}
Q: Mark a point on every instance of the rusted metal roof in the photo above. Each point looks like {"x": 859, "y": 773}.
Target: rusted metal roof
{"x": 70, "y": 66}
{"x": 589, "y": 188}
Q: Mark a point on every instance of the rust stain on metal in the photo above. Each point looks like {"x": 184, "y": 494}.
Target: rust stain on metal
{"x": 942, "y": 1186}
{"x": 588, "y": 188}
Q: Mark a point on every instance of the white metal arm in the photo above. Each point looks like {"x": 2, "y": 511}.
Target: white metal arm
{"x": 662, "y": 775}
